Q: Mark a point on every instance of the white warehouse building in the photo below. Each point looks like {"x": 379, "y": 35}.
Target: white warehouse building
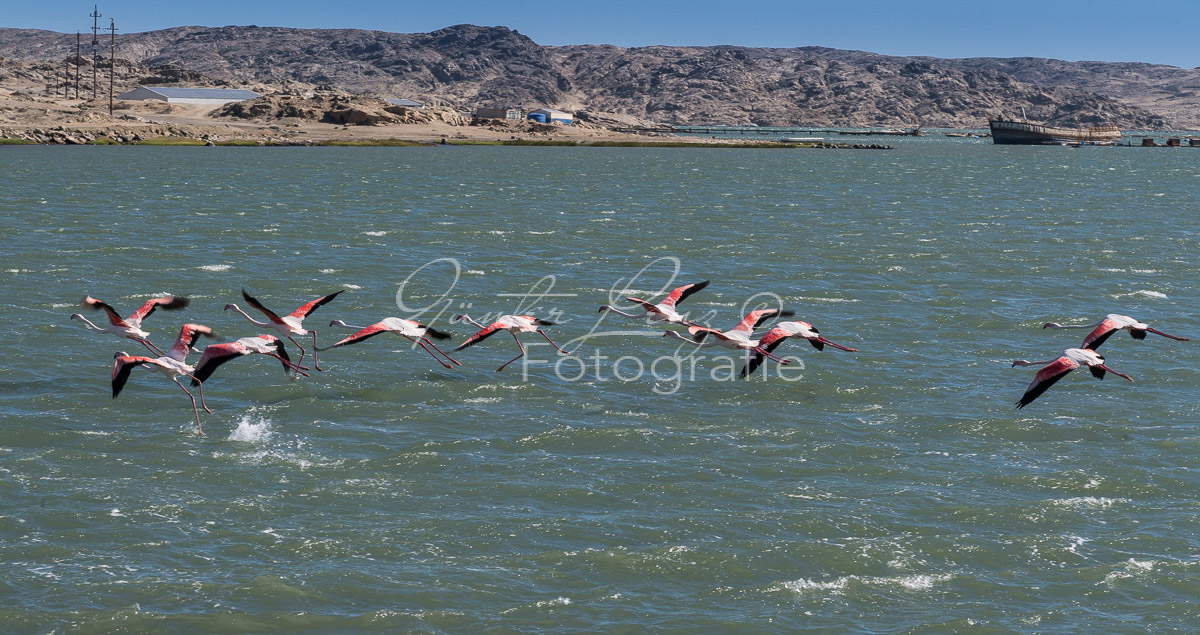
{"x": 172, "y": 95}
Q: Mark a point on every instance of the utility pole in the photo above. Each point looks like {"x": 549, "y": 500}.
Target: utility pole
{"x": 112, "y": 58}
{"x": 95, "y": 50}
{"x": 78, "y": 47}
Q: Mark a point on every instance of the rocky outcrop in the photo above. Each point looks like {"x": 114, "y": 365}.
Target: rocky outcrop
{"x": 475, "y": 66}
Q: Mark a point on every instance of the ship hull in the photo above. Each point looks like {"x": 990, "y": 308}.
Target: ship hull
{"x": 1025, "y": 133}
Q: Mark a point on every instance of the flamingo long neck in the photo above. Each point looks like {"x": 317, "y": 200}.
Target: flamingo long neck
{"x": 1055, "y": 325}
{"x": 347, "y": 326}
{"x": 620, "y": 312}
{"x": 1022, "y": 362}
{"x": 89, "y": 323}
{"x": 252, "y": 320}
{"x": 467, "y": 318}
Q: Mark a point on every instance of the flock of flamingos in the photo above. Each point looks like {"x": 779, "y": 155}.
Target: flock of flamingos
{"x": 173, "y": 363}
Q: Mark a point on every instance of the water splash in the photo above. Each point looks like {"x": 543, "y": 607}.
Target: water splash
{"x": 252, "y": 429}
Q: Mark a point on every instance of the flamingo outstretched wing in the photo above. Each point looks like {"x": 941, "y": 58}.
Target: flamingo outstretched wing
{"x": 1047, "y": 377}
{"x": 124, "y": 365}
{"x": 755, "y": 319}
{"x": 681, "y": 293}
{"x": 113, "y": 318}
{"x": 166, "y": 303}
{"x": 308, "y": 308}
{"x": 483, "y": 334}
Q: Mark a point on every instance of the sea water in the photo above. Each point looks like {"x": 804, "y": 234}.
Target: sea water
{"x": 633, "y": 483}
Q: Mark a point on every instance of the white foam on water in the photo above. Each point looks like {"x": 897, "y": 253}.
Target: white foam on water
{"x": 215, "y": 267}
{"x": 1088, "y": 502}
{"x": 914, "y": 582}
{"x": 329, "y": 270}
{"x": 351, "y": 286}
{"x": 376, "y": 233}
{"x": 251, "y": 429}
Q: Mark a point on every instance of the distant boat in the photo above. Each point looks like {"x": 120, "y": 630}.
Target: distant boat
{"x": 1008, "y": 132}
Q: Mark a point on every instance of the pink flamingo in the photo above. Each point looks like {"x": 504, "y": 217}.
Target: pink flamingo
{"x": 1055, "y": 369}
{"x": 513, "y": 324}
{"x": 173, "y": 364}
{"x": 131, "y": 327}
{"x": 664, "y": 311}
{"x": 740, "y": 337}
{"x": 412, "y": 330}
{"x": 217, "y": 354}
{"x": 781, "y": 332}
{"x": 1109, "y": 325}
{"x": 288, "y": 325}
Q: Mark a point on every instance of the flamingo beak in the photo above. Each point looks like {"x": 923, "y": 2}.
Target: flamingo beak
{"x": 230, "y": 306}
{"x": 1155, "y": 331}
{"x": 1115, "y": 372}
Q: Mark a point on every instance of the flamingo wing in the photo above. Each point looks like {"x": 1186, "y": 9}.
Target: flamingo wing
{"x": 1047, "y": 377}
{"x": 434, "y": 333}
{"x": 483, "y": 334}
{"x": 681, "y": 293}
{"x": 1101, "y": 334}
{"x": 769, "y": 342}
{"x": 755, "y": 319}
{"x": 187, "y": 339}
{"x": 365, "y": 333}
{"x": 252, "y": 301}
{"x": 310, "y": 307}
{"x": 166, "y": 303}
{"x": 121, "y": 369}
{"x": 113, "y": 318}
{"x": 213, "y": 357}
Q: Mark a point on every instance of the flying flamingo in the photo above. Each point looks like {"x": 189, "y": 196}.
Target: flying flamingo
{"x": 288, "y": 325}
{"x": 664, "y": 311}
{"x": 781, "y": 332}
{"x": 217, "y": 354}
{"x": 739, "y": 337}
{"x": 513, "y": 324}
{"x": 1055, "y": 369}
{"x": 172, "y": 365}
{"x": 131, "y": 327}
{"x": 1109, "y": 325}
{"x": 409, "y": 329}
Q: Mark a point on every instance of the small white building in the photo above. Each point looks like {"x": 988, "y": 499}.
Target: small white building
{"x": 173, "y": 95}
{"x": 407, "y": 103}
{"x": 553, "y": 116}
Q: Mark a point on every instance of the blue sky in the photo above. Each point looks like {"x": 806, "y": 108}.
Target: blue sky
{"x": 1161, "y": 32}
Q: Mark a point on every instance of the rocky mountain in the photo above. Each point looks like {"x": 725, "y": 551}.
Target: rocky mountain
{"x": 497, "y": 66}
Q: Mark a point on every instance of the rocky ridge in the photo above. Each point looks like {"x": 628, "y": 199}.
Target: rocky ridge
{"x": 468, "y": 66}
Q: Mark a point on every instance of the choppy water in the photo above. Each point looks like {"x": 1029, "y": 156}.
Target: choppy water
{"x": 890, "y": 490}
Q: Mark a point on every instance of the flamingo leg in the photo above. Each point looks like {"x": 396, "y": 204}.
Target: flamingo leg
{"x": 435, "y": 347}
{"x": 422, "y": 344}
{"x": 550, "y": 340}
{"x": 149, "y": 345}
{"x": 315, "y": 364}
{"x": 200, "y": 384}
{"x": 763, "y": 351}
{"x": 194, "y": 409}
{"x": 302, "y": 352}
{"x": 518, "y": 356}
{"x": 299, "y": 369}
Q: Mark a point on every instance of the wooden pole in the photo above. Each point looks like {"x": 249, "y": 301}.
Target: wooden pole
{"x": 112, "y": 59}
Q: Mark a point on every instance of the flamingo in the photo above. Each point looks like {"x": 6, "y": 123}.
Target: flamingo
{"x": 739, "y": 337}
{"x": 781, "y": 332}
{"x": 664, "y": 311}
{"x": 513, "y": 324}
{"x": 131, "y": 327}
{"x": 288, "y": 325}
{"x": 1055, "y": 369}
{"x": 1109, "y": 325}
{"x": 412, "y": 330}
{"x": 217, "y": 354}
{"x": 173, "y": 364}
